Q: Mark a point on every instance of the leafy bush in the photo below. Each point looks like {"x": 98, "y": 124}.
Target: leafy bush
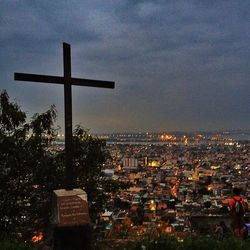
{"x": 198, "y": 243}
{"x": 13, "y": 245}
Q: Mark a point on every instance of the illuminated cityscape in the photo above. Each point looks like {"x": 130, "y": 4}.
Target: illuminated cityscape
{"x": 177, "y": 181}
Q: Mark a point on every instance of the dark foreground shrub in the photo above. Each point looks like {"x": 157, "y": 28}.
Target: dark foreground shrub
{"x": 13, "y": 245}
{"x": 197, "y": 243}
{"x": 209, "y": 243}
{"x": 160, "y": 243}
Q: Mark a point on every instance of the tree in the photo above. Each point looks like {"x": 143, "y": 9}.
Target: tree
{"x": 90, "y": 155}
{"x": 30, "y": 171}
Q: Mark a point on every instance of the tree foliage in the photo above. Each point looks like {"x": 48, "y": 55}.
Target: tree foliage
{"x": 30, "y": 171}
{"x": 90, "y": 155}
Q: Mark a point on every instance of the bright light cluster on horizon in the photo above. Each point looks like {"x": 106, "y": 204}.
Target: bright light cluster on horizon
{"x": 166, "y": 137}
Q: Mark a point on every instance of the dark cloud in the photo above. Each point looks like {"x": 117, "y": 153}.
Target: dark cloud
{"x": 178, "y": 65}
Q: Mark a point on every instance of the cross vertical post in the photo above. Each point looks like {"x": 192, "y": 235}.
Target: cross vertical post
{"x": 68, "y": 116}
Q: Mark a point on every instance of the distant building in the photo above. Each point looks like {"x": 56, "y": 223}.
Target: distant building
{"x": 129, "y": 162}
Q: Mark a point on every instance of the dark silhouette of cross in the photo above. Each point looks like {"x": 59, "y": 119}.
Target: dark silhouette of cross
{"x": 67, "y": 81}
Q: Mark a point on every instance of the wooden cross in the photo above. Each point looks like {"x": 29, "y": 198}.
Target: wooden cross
{"x": 67, "y": 81}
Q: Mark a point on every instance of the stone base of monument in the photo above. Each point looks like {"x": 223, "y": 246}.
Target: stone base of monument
{"x": 73, "y": 238}
{"x": 71, "y": 221}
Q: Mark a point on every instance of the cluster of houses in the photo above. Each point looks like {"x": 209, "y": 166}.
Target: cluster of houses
{"x": 172, "y": 186}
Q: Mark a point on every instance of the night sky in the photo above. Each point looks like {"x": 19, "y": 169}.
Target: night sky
{"x": 177, "y": 65}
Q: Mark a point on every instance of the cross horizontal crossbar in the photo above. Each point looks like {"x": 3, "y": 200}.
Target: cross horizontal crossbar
{"x": 60, "y": 80}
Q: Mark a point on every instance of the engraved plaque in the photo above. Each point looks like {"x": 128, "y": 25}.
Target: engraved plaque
{"x": 70, "y": 207}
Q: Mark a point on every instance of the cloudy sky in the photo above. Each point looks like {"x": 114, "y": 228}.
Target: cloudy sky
{"x": 177, "y": 65}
